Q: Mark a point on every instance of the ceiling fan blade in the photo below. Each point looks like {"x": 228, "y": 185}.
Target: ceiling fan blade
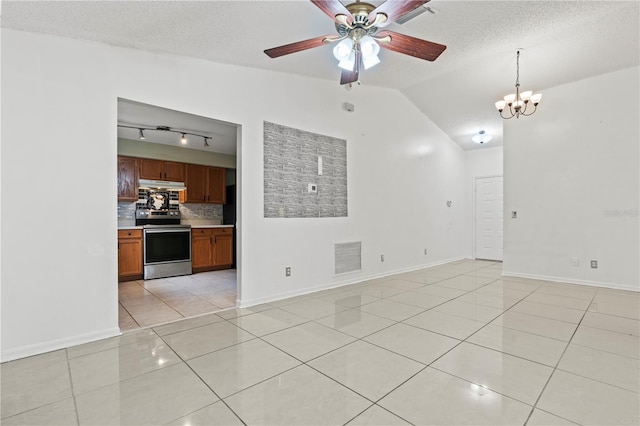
{"x": 354, "y": 75}
{"x": 394, "y": 9}
{"x": 298, "y": 46}
{"x": 401, "y": 43}
{"x": 333, "y": 8}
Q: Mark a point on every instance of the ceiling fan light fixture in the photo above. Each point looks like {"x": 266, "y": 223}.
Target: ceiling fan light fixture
{"x": 369, "y": 47}
{"x": 349, "y": 62}
{"x": 370, "y": 61}
{"x": 183, "y": 139}
{"x": 343, "y": 50}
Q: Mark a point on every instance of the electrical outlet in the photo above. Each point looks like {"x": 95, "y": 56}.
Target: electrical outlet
{"x": 382, "y": 258}
{"x": 594, "y": 264}
{"x": 514, "y": 214}
{"x": 287, "y": 271}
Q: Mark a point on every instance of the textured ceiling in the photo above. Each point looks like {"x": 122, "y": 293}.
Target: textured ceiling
{"x": 563, "y": 41}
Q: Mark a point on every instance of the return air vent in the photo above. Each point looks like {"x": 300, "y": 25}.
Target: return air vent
{"x": 348, "y": 257}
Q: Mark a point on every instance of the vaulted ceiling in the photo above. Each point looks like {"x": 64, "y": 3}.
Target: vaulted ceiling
{"x": 562, "y": 41}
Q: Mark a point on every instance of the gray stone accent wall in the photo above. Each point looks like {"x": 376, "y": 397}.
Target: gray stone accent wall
{"x": 291, "y": 165}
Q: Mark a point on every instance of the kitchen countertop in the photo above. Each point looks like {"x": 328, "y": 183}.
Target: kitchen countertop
{"x": 125, "y": 227}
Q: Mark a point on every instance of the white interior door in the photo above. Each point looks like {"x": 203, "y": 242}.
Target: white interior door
{"x": 489, "y": 218}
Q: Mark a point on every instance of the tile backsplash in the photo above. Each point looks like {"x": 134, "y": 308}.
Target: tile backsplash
{"x": 127, "y": 211}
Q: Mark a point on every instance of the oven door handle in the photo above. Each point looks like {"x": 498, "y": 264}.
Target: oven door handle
{"x": 164, "y": 231}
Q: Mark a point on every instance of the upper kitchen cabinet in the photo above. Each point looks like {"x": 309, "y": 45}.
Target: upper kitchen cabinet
{"x": 127, "y": 179}
{"x": 161, "y": 170}
{"x": 205, "y": 184}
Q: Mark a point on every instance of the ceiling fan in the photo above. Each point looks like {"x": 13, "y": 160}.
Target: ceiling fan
{"x": 360, "y": 36}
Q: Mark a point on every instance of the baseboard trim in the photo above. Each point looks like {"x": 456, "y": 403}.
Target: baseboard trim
{"x": 571, "y": 281}
{"x": 54, "y": 345}
{"x": 355, "y": 280}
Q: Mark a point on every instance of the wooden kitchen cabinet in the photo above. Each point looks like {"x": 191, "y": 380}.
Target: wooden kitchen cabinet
{"x": 127, "y": 179}
{"x": 223, "y": 247}
{"x": 129, "y": 254}
{"x": 211, "y": 248}
{"x": 161, "y": 170}
{"x": 205, "y": 184}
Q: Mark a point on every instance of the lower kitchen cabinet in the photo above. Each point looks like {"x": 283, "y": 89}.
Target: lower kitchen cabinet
{"x": 129, "y": 254}
{"x": 211, "y": 248}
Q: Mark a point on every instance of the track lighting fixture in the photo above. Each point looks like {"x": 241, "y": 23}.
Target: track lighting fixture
{"x": 183, "y": 134}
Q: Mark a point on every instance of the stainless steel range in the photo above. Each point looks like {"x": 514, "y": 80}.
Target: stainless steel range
{"x": 167, "y": 243}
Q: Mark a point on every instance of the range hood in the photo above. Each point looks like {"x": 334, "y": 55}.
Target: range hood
{"x": 161, "y": 184}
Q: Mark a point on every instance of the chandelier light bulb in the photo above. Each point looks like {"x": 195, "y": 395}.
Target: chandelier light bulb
{"x": 536, "y": 98}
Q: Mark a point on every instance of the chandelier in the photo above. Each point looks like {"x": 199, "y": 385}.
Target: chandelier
{"x": 518, "y": 102}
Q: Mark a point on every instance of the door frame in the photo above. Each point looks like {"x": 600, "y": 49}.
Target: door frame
{"x": 473, "y": 208}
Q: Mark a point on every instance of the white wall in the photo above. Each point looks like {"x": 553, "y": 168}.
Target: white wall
{"x": 478, "y": 163}
{"x": 59, "y": 114}
{"x": 572, "y": 174}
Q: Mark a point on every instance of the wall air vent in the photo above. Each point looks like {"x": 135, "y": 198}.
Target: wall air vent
{"x": 348, "y": 257}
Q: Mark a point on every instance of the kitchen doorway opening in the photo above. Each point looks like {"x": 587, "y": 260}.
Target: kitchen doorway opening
{"x": 177, "y": 175}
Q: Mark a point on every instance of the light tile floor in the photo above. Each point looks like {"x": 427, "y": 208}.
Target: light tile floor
{"x": 455, "y": 344}
{"x": 145, "y": 303}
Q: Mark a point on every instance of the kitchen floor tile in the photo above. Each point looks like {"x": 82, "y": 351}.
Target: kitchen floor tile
{"x": 589, "y": 402}
{"x": 238, "y": 312}
{"x": 468, "y": 310}
{"x": 465, "y": 282}
{"x": 153, "y": 398}
{"x": 400, "y": 284}
{"x": 422, "y": 278}
{"x": 612, "y": 323}
{"x": 377, "y": 416}
{"x": 415, "y": 343}
{"x": 186, "y": 324}
{"x": 351, "y": 299}
{"x": 616, "y": 370}
{"x": 436, "y": 290}
{"x": 208, "y": 338}
{"x": 315, "y": 308}
{"x": 367, "y": 369}
{"x": 391, "y": 310}
{"x": 268, "y": 321}
{"x": 569, "y": 290}
{"x": 308, "y": 340}
{"x": 546, "y": 327}
{"x": 549, "y": 311}
{"x": 542, "y": 418}
{"x": 518, "y": 343}
{"x": 436, "y": 398}
{"x": 238, "y": 367}
{"x": 628, "y": 309}
{"x": 608, "y": 341}
{"x": 93, "y": 371}
{"x": 140, "y": 337}
{"x": 509, "y": 375}
{"x": 32, "y": 382}
{"x": 564, "y": 301}
{"x": 355, "y": 323}
{"x": 301, "y": 396}
{"x": 420, "y": 300}
{"x": 55, "y": 414}
{"x": 157, "y": 317}
{"x": 488, "y": 299}
{"x": 449, "y": 325}
{"x": 216, "y": 414}
{"x": 380, "y": 291}
{"x": 506, "y": 284}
